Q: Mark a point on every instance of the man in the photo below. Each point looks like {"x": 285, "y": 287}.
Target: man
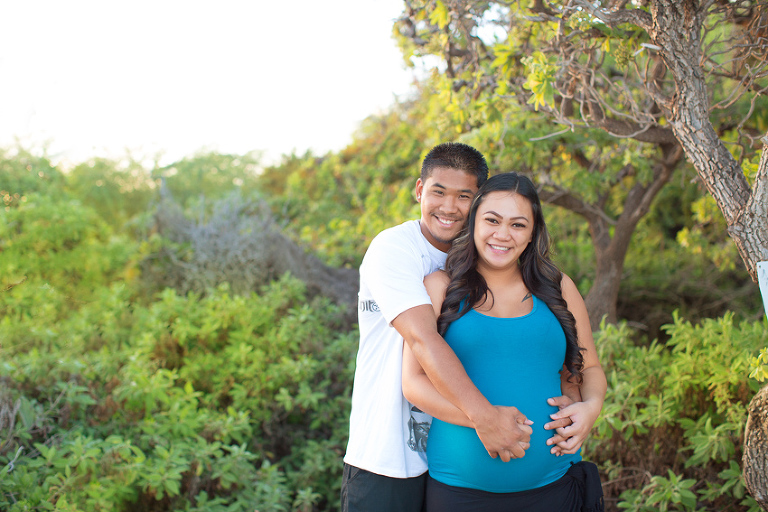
{"x": 385, "y": 464}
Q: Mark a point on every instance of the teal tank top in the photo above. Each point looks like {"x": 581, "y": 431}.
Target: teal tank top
{"x": 512, "y": 361}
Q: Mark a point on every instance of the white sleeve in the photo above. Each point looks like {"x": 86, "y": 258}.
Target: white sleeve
{"x": 394, "y": 273}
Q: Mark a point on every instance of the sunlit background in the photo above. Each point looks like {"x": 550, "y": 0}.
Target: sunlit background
{"x": 161, "y": 80}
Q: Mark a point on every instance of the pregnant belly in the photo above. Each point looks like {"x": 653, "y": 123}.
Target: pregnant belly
{"x": 457, "y": 457}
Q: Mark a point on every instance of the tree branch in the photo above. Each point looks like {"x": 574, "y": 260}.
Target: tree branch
{"x": 662, "y": 174}
{"x": 540, "y": 8}
{"x": 552, "y": 194}
{"x": 648, "y": 133}
{"x": 634, "y": 16}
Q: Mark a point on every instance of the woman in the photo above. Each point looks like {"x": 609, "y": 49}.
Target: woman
{"x": 516, "y": 323}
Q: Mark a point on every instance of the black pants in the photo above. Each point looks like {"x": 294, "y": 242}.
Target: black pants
{"x": 363, "y": 491}
{"x": 578, "y": 491}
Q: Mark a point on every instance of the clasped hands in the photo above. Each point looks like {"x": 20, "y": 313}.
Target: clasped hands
{"x": 508, "y": 435}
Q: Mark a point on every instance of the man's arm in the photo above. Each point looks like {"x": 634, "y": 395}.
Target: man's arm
{"x": 500, "y": 429}
{"x": 419, "y": 390}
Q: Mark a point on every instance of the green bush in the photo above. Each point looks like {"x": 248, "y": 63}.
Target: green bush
{"x": 55, "y": 256}
{"x": 61, "y": 242}
{"x": 228, "y": 402}
{"x": 669, "y": 436}
{"x": 119, "y": 191}
{"x": 22, "y": 173}
{"x": 214, "y": 403}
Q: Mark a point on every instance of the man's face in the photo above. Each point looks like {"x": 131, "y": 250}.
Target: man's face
{"x": 445, "y": 198}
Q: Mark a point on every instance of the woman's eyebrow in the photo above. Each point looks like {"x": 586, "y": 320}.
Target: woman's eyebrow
{"x": 495, "y": 214}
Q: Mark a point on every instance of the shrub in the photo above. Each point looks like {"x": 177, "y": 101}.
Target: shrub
{"x": 221, "y": 402}
{"x": 669, "y": 436}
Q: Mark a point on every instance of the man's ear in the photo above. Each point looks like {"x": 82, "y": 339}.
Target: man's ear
{"x": 419, "y": 189}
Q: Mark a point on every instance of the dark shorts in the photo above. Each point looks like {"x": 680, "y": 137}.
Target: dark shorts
{"x": 578, "y": 491}
{"x": 363, "y": 491}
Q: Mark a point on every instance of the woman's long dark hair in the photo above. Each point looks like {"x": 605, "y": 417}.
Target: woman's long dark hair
{"x": 467, "y": 288}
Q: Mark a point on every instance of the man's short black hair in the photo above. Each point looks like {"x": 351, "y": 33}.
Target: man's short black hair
{"x": 455, "y": 155}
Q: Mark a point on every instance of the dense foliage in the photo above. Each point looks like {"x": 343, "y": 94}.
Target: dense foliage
{"x": 206, "y": 403}
{"x": 226, "y": 402}
{"x": 669, "y": 436}
{"x": 120, "y": 391}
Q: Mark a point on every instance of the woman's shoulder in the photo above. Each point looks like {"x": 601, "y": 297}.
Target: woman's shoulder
{"x": 566, "y": 281}
{"x": 568, "y": 287}
{"x": 436, "y": 283}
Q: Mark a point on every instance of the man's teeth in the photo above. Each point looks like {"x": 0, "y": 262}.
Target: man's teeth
{"x": 446, "y": 222}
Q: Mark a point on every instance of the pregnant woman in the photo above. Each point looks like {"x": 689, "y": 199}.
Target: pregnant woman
{"x": 516, "y": 323}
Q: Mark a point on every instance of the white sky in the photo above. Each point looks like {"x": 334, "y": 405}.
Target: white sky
{"x": 171, "y": 77}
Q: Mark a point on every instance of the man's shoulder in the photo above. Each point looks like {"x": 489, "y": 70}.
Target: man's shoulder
{"x": 407, "y": 229}
{"x": 398, "y": 247}
{"x": 407, "y": 233}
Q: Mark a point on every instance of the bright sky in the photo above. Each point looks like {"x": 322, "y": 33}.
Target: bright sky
{"x": 171, "y": 77}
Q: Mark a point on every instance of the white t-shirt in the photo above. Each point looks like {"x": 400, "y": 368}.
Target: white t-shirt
{"x": 386, "y": 435}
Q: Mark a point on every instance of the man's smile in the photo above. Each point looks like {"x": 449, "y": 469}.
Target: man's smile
{"x": 446, "y": 222}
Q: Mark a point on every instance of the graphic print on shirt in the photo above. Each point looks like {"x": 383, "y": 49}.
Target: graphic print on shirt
{"x": 418, "y": 426}
{"x": 369, "y": 306}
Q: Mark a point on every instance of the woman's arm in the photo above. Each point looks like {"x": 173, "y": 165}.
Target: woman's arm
{"x": 568, "y": 385}
{"x": 583, "y": 414}
{"x": 417, "y": 388}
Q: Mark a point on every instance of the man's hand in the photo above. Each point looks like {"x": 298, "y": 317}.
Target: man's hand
{"x": 505, "y": 434}
{"x": 571, "y": 423}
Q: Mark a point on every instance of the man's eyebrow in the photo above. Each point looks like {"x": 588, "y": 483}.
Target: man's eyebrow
{"x": 465, "y": 190}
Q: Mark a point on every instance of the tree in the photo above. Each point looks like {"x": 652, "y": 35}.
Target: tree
{"x": 755, "y": 458}
{"x": 680, "y": 76}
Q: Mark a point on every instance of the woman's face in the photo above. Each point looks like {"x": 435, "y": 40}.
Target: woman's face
{"x": 503, "y": 229}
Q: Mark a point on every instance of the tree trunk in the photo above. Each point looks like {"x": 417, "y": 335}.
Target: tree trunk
{"x": 750, "y": 229}
{"x": 755, "y": 459}
{"x": 604, "y": 293}
{"x": 676, "y": 30}
{"x": 611, "y": 249}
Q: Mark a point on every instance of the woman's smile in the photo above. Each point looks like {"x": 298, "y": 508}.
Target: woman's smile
{"x": 503, "y": 229}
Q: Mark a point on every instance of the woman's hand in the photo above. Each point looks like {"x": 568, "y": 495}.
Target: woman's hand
{"x": 559, "y": 422}
{"x": 579, "y": 417}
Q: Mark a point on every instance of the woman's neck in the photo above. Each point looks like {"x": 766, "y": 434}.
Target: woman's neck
{"x": 507, "y": 297}
{"x": 500, "y": 277}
